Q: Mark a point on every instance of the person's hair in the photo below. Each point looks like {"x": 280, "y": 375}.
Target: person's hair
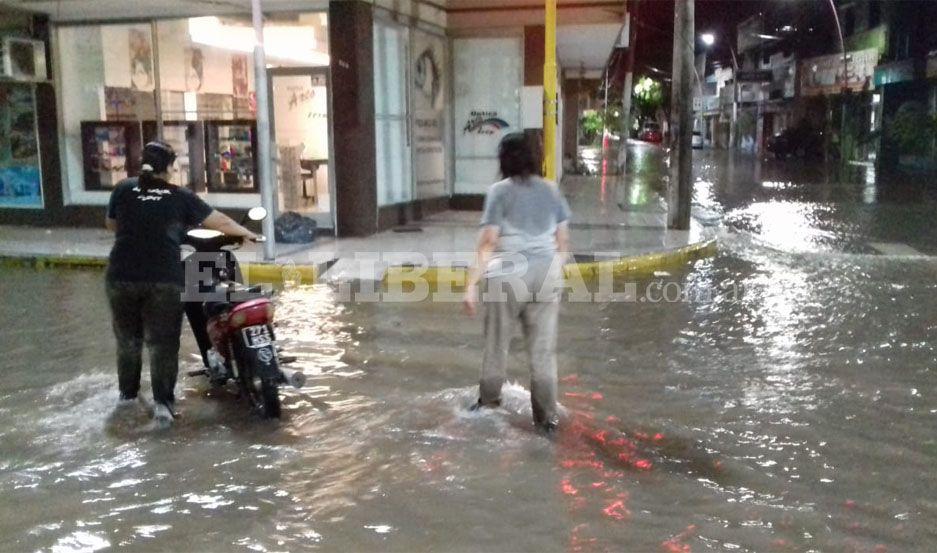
{"x": 517, "y": 157}
{"x": 157, "y": 157}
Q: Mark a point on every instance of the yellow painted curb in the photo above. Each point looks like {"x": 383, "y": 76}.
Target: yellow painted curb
{"x": 638, "y": 265}
{"x": 434, "y": 276}
{"x": 254, "y": 272}
{"x": 642, "y": 265}
{"x": 43, "y": 262}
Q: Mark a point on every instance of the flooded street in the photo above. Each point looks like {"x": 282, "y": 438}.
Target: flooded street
{"x": 788, "y": 405}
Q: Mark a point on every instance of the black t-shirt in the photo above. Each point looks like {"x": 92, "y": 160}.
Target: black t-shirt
{"x": 151, "y": 224}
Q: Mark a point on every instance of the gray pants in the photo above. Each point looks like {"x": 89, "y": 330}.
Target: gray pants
{"x": 151, "y": 313}
{"x": 538, "y": 316}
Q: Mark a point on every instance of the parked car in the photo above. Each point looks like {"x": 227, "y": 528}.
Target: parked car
{"x": 799, "y": 141}
{"x": 697, "y": 140}
{"x": 651, "y": 133}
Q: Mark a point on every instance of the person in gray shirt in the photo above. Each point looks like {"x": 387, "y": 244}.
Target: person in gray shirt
{"x": 521, "y": 249}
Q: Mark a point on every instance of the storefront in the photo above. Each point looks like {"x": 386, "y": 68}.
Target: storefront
{"x": 847, "y": 88}
{"x": 22, "y": 72}
{"x": 359, "y": 145}
{"x": 191, "y": 81}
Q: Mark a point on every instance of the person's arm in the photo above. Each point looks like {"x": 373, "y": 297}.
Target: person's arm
{"x": 563, "y": 215}
{"x": 110, "y": 219}
{"x": 217, "y": 220}
{"x": 487, "y": 240}
{"x": 562, "y": 240}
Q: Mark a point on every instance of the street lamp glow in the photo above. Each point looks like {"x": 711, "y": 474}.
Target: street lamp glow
{"x": 708, "y": 39}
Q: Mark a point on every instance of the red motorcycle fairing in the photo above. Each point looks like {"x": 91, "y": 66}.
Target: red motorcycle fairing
{"x": 250, "y": 313}
{"x": 221, "y": 327}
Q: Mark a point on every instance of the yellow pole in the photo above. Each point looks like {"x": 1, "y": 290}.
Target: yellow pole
{"x": 550, "y": 107}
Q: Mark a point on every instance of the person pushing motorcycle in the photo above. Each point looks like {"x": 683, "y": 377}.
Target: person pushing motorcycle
{"x": 145, "y": 277}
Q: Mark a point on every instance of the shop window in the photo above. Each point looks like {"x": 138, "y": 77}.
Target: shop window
{"x": 429, "y": 84}
{"x": 487, "y": 82}
{"x": 206, "y": 81}
{"x": 205, "y": 106}
{"x": 392, "y": 132}
{"x": 107, "y": 88}
{"x": 20, "y": 173}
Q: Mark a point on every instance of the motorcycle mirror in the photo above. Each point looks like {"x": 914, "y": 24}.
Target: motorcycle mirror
{"x": 204, "y": 233}
{"x": 257, "y": 213}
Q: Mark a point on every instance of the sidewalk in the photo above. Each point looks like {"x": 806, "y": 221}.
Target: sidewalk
{"x": 621, "y": 228}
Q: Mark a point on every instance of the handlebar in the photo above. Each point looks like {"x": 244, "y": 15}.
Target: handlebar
{"x": 216, "y": 242}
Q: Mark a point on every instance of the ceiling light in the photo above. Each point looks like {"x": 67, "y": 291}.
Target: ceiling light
{"x": 292, "y": 43}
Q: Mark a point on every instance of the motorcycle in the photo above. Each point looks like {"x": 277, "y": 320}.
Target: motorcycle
{"x": 233, "y": 323}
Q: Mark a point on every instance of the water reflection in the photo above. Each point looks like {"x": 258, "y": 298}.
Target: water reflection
{"x": 792, "y": 416}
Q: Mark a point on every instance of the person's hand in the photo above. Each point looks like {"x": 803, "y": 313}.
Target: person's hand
{"x": 470, "y": 300}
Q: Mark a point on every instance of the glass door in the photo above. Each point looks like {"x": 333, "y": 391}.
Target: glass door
{"x": 392, "y": 114}
{"x": 299, "y": 99}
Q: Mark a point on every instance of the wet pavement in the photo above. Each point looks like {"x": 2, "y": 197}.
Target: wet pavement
{"x": 810, "y": 207}
{"x": 784, "y": 402}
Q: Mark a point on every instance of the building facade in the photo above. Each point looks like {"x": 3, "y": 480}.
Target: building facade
{"x": 381, "y": 111}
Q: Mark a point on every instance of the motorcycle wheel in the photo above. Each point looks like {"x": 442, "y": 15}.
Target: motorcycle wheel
{"x": 270, "y": 394}
{"x": 262, "y": 393}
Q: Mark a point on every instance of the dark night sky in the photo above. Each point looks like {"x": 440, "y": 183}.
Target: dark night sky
{"x": 655, "y": 28}
{"x": 812, "y": 18}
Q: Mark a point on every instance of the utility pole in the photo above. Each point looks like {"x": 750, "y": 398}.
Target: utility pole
{"x": 681, "y": 116}
{"x": 264, "y": 160}
{"x": 550, "y": 107}
{"x": 733, "y": 125}
{"x": 628, "y": 88}
{"x": 845, "y": 87}
{"x": 701, "y": 81}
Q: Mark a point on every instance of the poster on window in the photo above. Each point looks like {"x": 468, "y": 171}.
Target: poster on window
{"x": 141, "y": 60}
{"x": 20, "y": 176}
{"x": 194, "y": 69}
{"x": 429, "y": 115}
{"x": 487, "y": 81}
{"x": 239, "y": 75}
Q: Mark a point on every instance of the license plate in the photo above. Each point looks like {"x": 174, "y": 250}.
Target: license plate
{"x": 257, "y": 336}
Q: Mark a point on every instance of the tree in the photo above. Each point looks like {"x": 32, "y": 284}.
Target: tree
{"x": 648, "y": 98}
{"x": 591, "y": 124}
{"x": 912, "y": 129}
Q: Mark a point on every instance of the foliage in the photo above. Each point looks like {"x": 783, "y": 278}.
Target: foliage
{"x": 648, "y": 98}
{"x": 592, "y": 124}
{"x": 912, "y": 130}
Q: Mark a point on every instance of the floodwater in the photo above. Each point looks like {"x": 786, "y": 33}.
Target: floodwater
{"x": 786, "y": 405}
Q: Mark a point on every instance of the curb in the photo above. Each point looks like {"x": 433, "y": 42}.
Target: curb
{"x": 253, "y": 272}
{"x": 643, "y": 265}
{"x": 273, "y": 273}
{"x": 60, "y": 261}
{"x": 632, "y": 266}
